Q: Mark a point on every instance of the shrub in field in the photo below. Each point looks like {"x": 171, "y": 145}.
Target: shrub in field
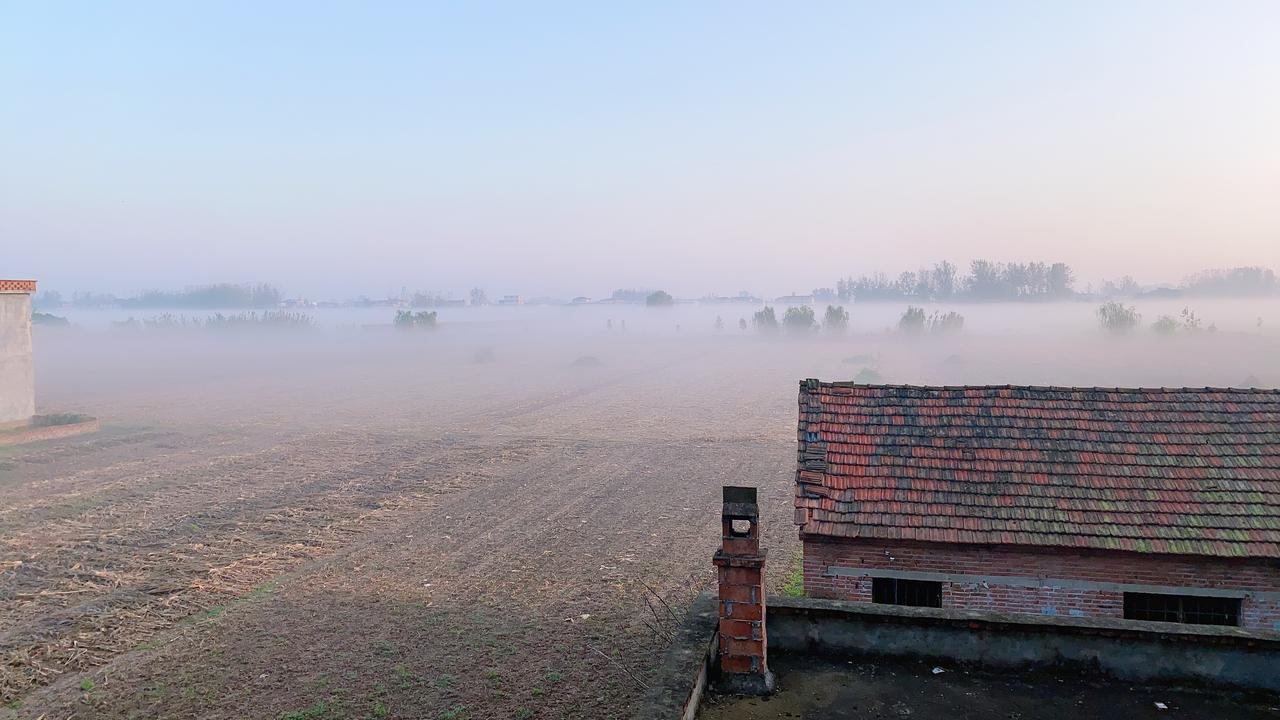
{"x": 659, "y": 298}
{"x": 836, "y": 319}
{"x": 1165, "y": 325}
{"x": 1118, "y": 317}
{"x": 58, "y": 419}
{"x": 798, "y": 319}
{"x": 407, "y": 319}
{"x": 765, "y": 320}
{"x": 1190, "y": 322}
{"x": 39, "y": 318}
{"x": 946, "y": 323}
{"x": 742, "y": 323}
{"x": 269, "y": 319}
{"x": 273, "y": 319}
{"x": 912, "y": 320}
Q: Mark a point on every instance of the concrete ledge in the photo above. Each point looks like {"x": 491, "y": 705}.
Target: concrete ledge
{"x": 1123, "y": 649}
{"x": 685, "y": 671}
{"x": 30, "y": 433}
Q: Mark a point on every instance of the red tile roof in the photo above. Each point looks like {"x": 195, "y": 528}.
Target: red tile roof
{"x": 1184, "y": 471}
{"x": 17, "y": 286}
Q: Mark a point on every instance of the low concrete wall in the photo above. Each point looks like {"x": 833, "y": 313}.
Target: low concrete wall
{"x": 1123, "y": 649}
{"x": 686, "y": 669}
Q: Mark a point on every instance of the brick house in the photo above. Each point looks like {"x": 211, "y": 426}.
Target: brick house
{"x": 1145, "y": 504}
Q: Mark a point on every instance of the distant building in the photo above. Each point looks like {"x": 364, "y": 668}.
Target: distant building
{"x": 510, "y": 300}
{"x": 17, "y": 367}
{"x": 795, "y": 300}
{"x": 1135, "y": 504}
{"x": 741, "y": 298}
{"x": 581, "y": 300}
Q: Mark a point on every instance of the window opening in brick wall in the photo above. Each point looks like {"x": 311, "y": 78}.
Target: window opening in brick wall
{"x": 916, "y": 593}
{"x": 741, "y": 528}
{"x": 1190, "y": 609}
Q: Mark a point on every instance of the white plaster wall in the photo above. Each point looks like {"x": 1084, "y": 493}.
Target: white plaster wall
{"x": 17, "y": 367}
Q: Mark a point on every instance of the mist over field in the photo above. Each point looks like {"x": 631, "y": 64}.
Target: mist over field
{"x": 412, "y": 343}
{"x": 353, "y": 360}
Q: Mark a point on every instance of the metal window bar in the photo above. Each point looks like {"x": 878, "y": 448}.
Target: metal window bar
{"x": 1186, "y": 609}
{"x": 915, "y": 593}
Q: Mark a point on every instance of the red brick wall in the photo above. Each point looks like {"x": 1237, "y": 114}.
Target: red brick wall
{"x": 1128, "y": 568}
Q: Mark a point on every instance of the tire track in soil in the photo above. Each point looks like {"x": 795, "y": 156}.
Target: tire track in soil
{"x": 44, "y": 634}
{"x": 542, "y": 541}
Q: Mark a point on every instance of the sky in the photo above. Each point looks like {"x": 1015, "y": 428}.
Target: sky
{"x": 568, "y": 149}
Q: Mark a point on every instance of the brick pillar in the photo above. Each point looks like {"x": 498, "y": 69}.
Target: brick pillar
{"x": 744, "y": 667}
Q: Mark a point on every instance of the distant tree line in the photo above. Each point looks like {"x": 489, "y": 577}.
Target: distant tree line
{"x": 1235, "y": 281}
{"x": 986, "y": 280}
{"x": 200, "y": 297}
{"x": 222, "y": 295}
{"x": 1249, "y": 281}
{"x": 630, "y": 295}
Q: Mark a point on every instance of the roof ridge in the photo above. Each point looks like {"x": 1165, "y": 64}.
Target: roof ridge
{"x": 1057, "y": 388}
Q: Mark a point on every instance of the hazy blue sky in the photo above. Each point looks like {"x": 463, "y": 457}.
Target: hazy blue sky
{"x": 337, "y": 148}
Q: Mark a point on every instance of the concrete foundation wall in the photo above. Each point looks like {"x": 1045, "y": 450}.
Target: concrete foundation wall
{"x": 1052, "y": 582}
{"x": 1130, "y": 651}
{"x": 17, "y": 366}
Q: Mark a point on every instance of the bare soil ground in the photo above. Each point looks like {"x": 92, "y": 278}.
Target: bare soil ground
{"x": 370, "y": 526}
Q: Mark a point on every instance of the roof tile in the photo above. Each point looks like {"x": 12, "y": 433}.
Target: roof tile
{"x": 1157, "y": 470}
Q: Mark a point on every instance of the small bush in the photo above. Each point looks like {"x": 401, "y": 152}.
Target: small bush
{"x": 1117, "y": 317}
{"x": 798, "y": 319}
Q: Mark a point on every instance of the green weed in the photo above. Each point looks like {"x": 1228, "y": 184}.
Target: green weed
{"x": 794, "y": 584}
{"x": 318, "y": 708}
